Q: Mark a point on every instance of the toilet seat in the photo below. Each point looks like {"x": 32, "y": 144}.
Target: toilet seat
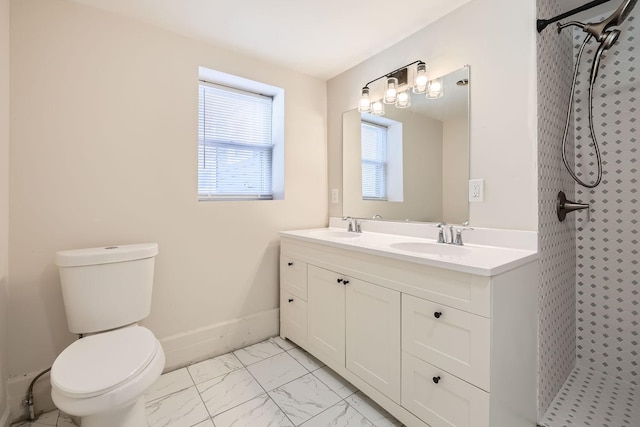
{"x": 100, "y": 363}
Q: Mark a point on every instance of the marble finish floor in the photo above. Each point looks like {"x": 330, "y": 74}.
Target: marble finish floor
{"x": 270, "y": 384}
{"x": 589, "y": 398}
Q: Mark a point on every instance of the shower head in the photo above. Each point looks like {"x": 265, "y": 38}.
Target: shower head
{"x": 599, "y": 30}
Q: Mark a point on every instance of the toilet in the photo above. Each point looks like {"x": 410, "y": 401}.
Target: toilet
{"x": 103, "y": 376}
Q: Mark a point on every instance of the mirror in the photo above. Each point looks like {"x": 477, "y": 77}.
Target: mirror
{"x": 412, "y": 164}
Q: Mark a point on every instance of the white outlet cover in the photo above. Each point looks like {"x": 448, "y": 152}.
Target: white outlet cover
{"x": 476, "y": 190}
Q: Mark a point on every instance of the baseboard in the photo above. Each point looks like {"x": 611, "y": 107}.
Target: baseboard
{"x": 4, "y": 420}
{"x": 213, "y": 340}
{"x": 17, "y": 387}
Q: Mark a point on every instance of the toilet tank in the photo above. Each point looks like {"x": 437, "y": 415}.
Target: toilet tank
{"x": 106, "y": 288}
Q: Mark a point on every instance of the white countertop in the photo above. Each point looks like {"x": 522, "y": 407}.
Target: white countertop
{"x": 477, "y": 259}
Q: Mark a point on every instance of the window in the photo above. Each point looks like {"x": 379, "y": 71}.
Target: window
{"x": 240, "y": 138}
{"x": 374, "y": 161}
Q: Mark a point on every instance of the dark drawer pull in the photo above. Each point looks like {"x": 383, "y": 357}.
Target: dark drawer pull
{"x": 339, "y": 280}
{"x": 437, "y": 314}
{"x": 436, "y": 379}
{"x": 289, "y": 264}
{"x": 345, "y": 282}
{"x": 290, "y": 299}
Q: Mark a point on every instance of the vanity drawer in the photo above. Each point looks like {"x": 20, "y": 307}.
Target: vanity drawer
{"x": 293, "y": 318}
{"x": 453, "y": 340}
{"x": 293, "y": 276}
{"x": 440, "y": 399}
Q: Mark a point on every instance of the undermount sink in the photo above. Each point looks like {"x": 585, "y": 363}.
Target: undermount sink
{"x": 429, "y": 248}
{"x": 336, "y": 234}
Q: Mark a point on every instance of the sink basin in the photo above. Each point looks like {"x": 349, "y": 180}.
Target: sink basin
{"x": 336, "y": 234}
{"x": 429, "y": 248}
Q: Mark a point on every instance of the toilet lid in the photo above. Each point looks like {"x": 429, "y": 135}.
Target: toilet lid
{"x": 99, "y": 363}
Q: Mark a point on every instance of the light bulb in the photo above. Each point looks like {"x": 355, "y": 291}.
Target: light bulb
{"x": 420, "y": 82}
{"x": 364, "y": 106}
{"x": 391, "y": 93}
{"x": 435, "y": 89}
{"x": 404, "y": 99}
{"x": 377, "y": 108}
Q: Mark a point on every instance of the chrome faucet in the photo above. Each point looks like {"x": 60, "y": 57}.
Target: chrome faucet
{"x": 441, "y": 226}
{"x": 455, "y": 234}
{"x": 354, "y": 225}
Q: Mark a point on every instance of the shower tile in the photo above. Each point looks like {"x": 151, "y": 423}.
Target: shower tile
{"x": 215, "y": 367}
{"x": 591, "y": 399}
{"x": 180, "y": 409}
{"x": 260, "y": 411}
{"x": 169, "y": 383}
{"x": 304, "y": 398}
{"x": 227, "y": 391}
{"x": 257, "y": 352}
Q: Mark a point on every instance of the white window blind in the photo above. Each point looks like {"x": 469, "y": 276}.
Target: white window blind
{"x": 235, "y": 146}
{"x": 374, "y": 161}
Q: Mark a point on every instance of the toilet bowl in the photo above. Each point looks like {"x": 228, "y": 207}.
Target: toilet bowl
{"x": 102, "y": 378}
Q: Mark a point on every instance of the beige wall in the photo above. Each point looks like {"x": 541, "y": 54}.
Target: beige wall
{"x": 4, "y": 198}
{"x": 497, "y": 39}
{"x": 104, "y": 139}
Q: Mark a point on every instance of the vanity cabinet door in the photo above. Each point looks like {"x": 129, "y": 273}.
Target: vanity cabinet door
{"x": 293, "y": 276}
{"x": 326, "y": 316}
{"x": 373, "y": 336}
{"x": 441, "y": 399}
{"x": 293, "y": 318}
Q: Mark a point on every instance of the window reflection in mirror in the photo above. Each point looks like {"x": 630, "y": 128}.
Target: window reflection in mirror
{"x": 412, "y": 163}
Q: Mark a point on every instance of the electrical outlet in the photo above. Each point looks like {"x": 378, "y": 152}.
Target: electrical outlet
{"x": 476, "y": 190}
{"x": 334, "y": 195}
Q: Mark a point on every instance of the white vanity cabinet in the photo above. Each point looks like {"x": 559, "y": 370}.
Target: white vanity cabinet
{"x": 433, "y": 346}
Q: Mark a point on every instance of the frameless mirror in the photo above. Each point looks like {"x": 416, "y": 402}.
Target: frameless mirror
{"x": 412, "y": 164}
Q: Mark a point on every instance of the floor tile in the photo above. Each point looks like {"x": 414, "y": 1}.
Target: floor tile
{"x": 257, "y": 352}
{"x": 342, "y": 387}
{"x": 371, "y": 410}
{"x": 227, "y": 391}
{"x": 65, "y": 420}
{"x": 304, "y": 398}
{"x": 276, "y": 371}
{"x": 215, "y": 367}
{"x": 207, "y": 423}
{"x": 168, "y": 383}
{"x": 260, "y": 411}
{"x": 339, "y": 415}
{"x": 180, "y": 409}
{"x": 284, "y": 344}
{"x": 305, "y": 359}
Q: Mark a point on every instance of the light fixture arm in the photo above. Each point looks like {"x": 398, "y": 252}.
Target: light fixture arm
{"x": 392, "y": 72}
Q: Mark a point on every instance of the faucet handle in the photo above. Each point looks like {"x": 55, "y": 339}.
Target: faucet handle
{"x": 459, "y": 231}
{"x": 441, "y": 226}
{"x": 348, "y": 219}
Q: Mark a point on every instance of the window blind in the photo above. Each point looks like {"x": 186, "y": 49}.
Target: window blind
{"x": 234, "y": 144}
{"x": 374, "y": 161}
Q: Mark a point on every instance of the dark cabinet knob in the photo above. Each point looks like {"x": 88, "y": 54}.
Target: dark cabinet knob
{"x": 437, "y": 314}
{"x": 290, "y": 299}
{"x": 436, "y": 379}
{"x": 345, "y": 282}
{"x": 289, "y": 264}
{"x": 339, "y": 280}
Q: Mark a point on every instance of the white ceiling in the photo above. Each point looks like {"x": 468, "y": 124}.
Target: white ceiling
{"x": 321, "y": 38}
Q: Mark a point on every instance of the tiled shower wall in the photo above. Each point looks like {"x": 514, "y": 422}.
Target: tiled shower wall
{"x": 608, "y": 299}
{"x": 557, "y": 246}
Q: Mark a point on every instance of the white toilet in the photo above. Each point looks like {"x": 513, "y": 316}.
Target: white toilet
{"x": 102, "y": 377}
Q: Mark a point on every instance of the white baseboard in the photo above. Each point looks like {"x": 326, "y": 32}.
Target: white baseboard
{"x": 180, "y": 350}
{"x": 213, "y": 340}
{"x": 4, "y": 420}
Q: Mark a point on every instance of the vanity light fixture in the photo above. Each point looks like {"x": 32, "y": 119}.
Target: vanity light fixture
{"x": 397, "y": 89}
{"x": 435, "y": 89}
